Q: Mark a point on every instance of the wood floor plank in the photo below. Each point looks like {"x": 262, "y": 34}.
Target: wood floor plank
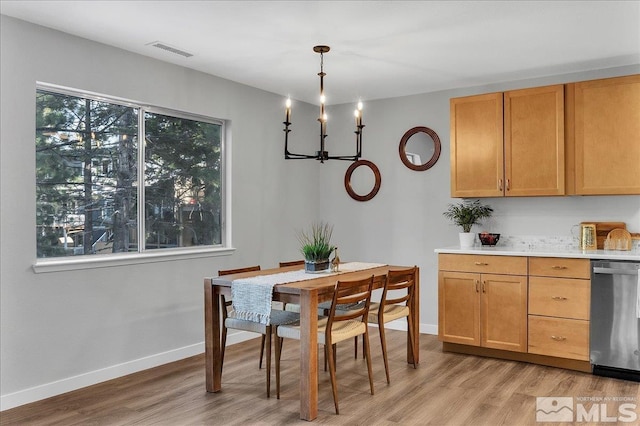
{"x": 445, "y": 389}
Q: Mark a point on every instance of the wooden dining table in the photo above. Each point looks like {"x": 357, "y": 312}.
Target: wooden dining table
{"x": 307, "y": 294}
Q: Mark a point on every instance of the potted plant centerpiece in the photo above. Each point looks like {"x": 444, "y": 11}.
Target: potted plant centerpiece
{"x": 466, "y": 214}
{"x": 316, "y": 247}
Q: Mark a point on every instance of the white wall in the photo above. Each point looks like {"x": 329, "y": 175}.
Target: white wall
{"x": 68, "y": 329}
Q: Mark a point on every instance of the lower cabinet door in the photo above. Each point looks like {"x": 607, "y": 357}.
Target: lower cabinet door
{"x": 559, "y": 337}
{"x": 459, "y": 307}
{"x": 504, "y": 312}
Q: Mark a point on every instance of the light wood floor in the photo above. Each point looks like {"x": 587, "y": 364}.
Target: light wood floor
{"x": 446, "y": 389}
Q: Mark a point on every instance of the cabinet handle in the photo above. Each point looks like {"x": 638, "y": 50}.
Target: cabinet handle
{"x": 558, "y": 298}
{"x": 508, "y": 184}
{"x": 499, "y": 184}
{"x": 477, "y": 288}
{"x": 481, "y": 263}
{"x": 558, "y": 338}
{"x": 558, "y": 267}
{"x": 484, "y": 290}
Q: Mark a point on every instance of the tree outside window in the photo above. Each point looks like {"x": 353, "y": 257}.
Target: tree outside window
{"x": 87, "y": 178}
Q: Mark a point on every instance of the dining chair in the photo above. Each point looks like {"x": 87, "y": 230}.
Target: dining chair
{"x": 292, "y": 307}
{"x": 292, "y": 263}
{"x": 336, "y": 328}
{"x": 278, "y": 317}
{"x": 226, "y": 306}
{"x": 396, "y": 301}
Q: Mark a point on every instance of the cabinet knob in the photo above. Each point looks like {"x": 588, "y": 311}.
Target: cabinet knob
{"x": 558, "y": 267}
{"x": 558, "y": 338}
{"x": 558, "y": 298}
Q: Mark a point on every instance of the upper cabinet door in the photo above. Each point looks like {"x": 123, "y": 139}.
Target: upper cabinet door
{"x": 534, "y": 141}
{"x": 604, "y": 135}
{"x": 477, "y": 146}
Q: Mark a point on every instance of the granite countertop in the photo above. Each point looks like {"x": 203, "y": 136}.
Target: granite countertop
{"x": 545, "y": 251}
{"x": 544, "y": 246}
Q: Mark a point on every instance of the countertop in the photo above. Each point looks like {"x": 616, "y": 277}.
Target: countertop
{"x": 544, "y": 252}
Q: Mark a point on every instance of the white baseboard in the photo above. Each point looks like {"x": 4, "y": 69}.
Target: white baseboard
{"x": 58, "y": 387}
{"x": 48, "y": 390}
{"x": 401, "y": 324}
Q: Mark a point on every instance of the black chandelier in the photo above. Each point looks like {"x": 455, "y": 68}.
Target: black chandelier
{"x": 323, "y": 154}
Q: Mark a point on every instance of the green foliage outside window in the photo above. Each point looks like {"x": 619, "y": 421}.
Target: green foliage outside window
{"x": 87, "y": 178}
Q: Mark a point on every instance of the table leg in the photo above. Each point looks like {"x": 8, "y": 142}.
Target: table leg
{"x": 213, "y": 366}
{"x": 415, "y": 315}
{"x": 308, "y": 355}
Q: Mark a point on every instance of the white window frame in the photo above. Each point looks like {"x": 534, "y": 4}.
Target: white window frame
{"x": 58, "y": 264}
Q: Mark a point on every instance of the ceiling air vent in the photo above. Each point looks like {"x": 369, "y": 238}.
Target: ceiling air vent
{"x": 168, "y": 48}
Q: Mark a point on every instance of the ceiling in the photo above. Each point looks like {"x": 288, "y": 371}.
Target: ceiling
{"x": 379, "y": 49}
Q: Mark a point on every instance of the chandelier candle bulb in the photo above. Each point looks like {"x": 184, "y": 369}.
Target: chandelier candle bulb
{"x": 287, "y": 110}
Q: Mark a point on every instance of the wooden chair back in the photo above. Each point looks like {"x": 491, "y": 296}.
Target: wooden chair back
{"x": 222, "y": 272}
{"x": 292, "y": 263}
{"x": 355, "y": 293}
{"x": 397, "y": 280}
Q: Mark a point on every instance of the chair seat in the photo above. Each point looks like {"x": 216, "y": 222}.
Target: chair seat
{"x": 278, "y": 318}
{"x": 294, "y": 307}
{"x": 342, "y": 330}
{"x": 391, "y": 312}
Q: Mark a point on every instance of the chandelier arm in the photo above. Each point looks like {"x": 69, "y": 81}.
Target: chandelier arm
{"x": 293, "y": 156}
{"x": 343, "y": 157}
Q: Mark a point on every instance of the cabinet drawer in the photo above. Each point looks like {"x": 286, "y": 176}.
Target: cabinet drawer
{"x": 559, "y": 267}
{"x": 559, "y": 297}
{"x": 510, "y": 265}
{"x": 559, "y": 337}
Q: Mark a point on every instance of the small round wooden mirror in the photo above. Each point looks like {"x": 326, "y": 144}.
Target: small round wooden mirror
{"x": 357, "y": 180}
{"x": 419, "y": 148}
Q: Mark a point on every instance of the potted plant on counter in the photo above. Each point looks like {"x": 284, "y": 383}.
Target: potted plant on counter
{"x": 466, "y": 214}
{"x": 316, "y": 247}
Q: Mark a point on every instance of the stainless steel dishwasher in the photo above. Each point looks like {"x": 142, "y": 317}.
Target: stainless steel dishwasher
{"x": 615, "y": 319}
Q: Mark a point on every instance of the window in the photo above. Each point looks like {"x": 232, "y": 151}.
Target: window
{"x": 89, "y": 171}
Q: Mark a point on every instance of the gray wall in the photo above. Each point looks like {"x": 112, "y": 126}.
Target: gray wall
{"x": 63, "y": 330}
{"x": 403, "y": 224}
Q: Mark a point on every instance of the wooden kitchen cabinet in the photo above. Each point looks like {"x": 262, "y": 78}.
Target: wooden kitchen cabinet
{"x": 559, "y": 337}
{"x": 534, "y": 141}
{"x": 559, "y": 303}
{"x": 531, "y": 309}
{"x": 477, "y": 148}
{"x": 488, "y": 308}
{"x": 603, "y": 136}
{"x": 508, "y": 144}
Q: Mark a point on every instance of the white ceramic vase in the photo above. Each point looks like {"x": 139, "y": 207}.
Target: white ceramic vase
{"x": 467, "y": 239}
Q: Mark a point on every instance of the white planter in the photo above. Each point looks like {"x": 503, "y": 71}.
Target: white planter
{"x": 467, "y": 239}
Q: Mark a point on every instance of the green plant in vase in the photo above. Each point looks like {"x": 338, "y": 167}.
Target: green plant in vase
{"x": 315, "y": 245}
{"x": 465, "y": 215}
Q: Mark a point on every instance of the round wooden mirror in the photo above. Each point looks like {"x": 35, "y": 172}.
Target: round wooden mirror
{"x": 358, "y": 181}
{"x": 419, "y": 148}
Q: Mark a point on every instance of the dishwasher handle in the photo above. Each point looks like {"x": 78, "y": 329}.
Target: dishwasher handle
{"x": 615, "y": 271}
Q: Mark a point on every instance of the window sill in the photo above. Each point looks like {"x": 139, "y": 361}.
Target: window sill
{"x": 91, "y": 262}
